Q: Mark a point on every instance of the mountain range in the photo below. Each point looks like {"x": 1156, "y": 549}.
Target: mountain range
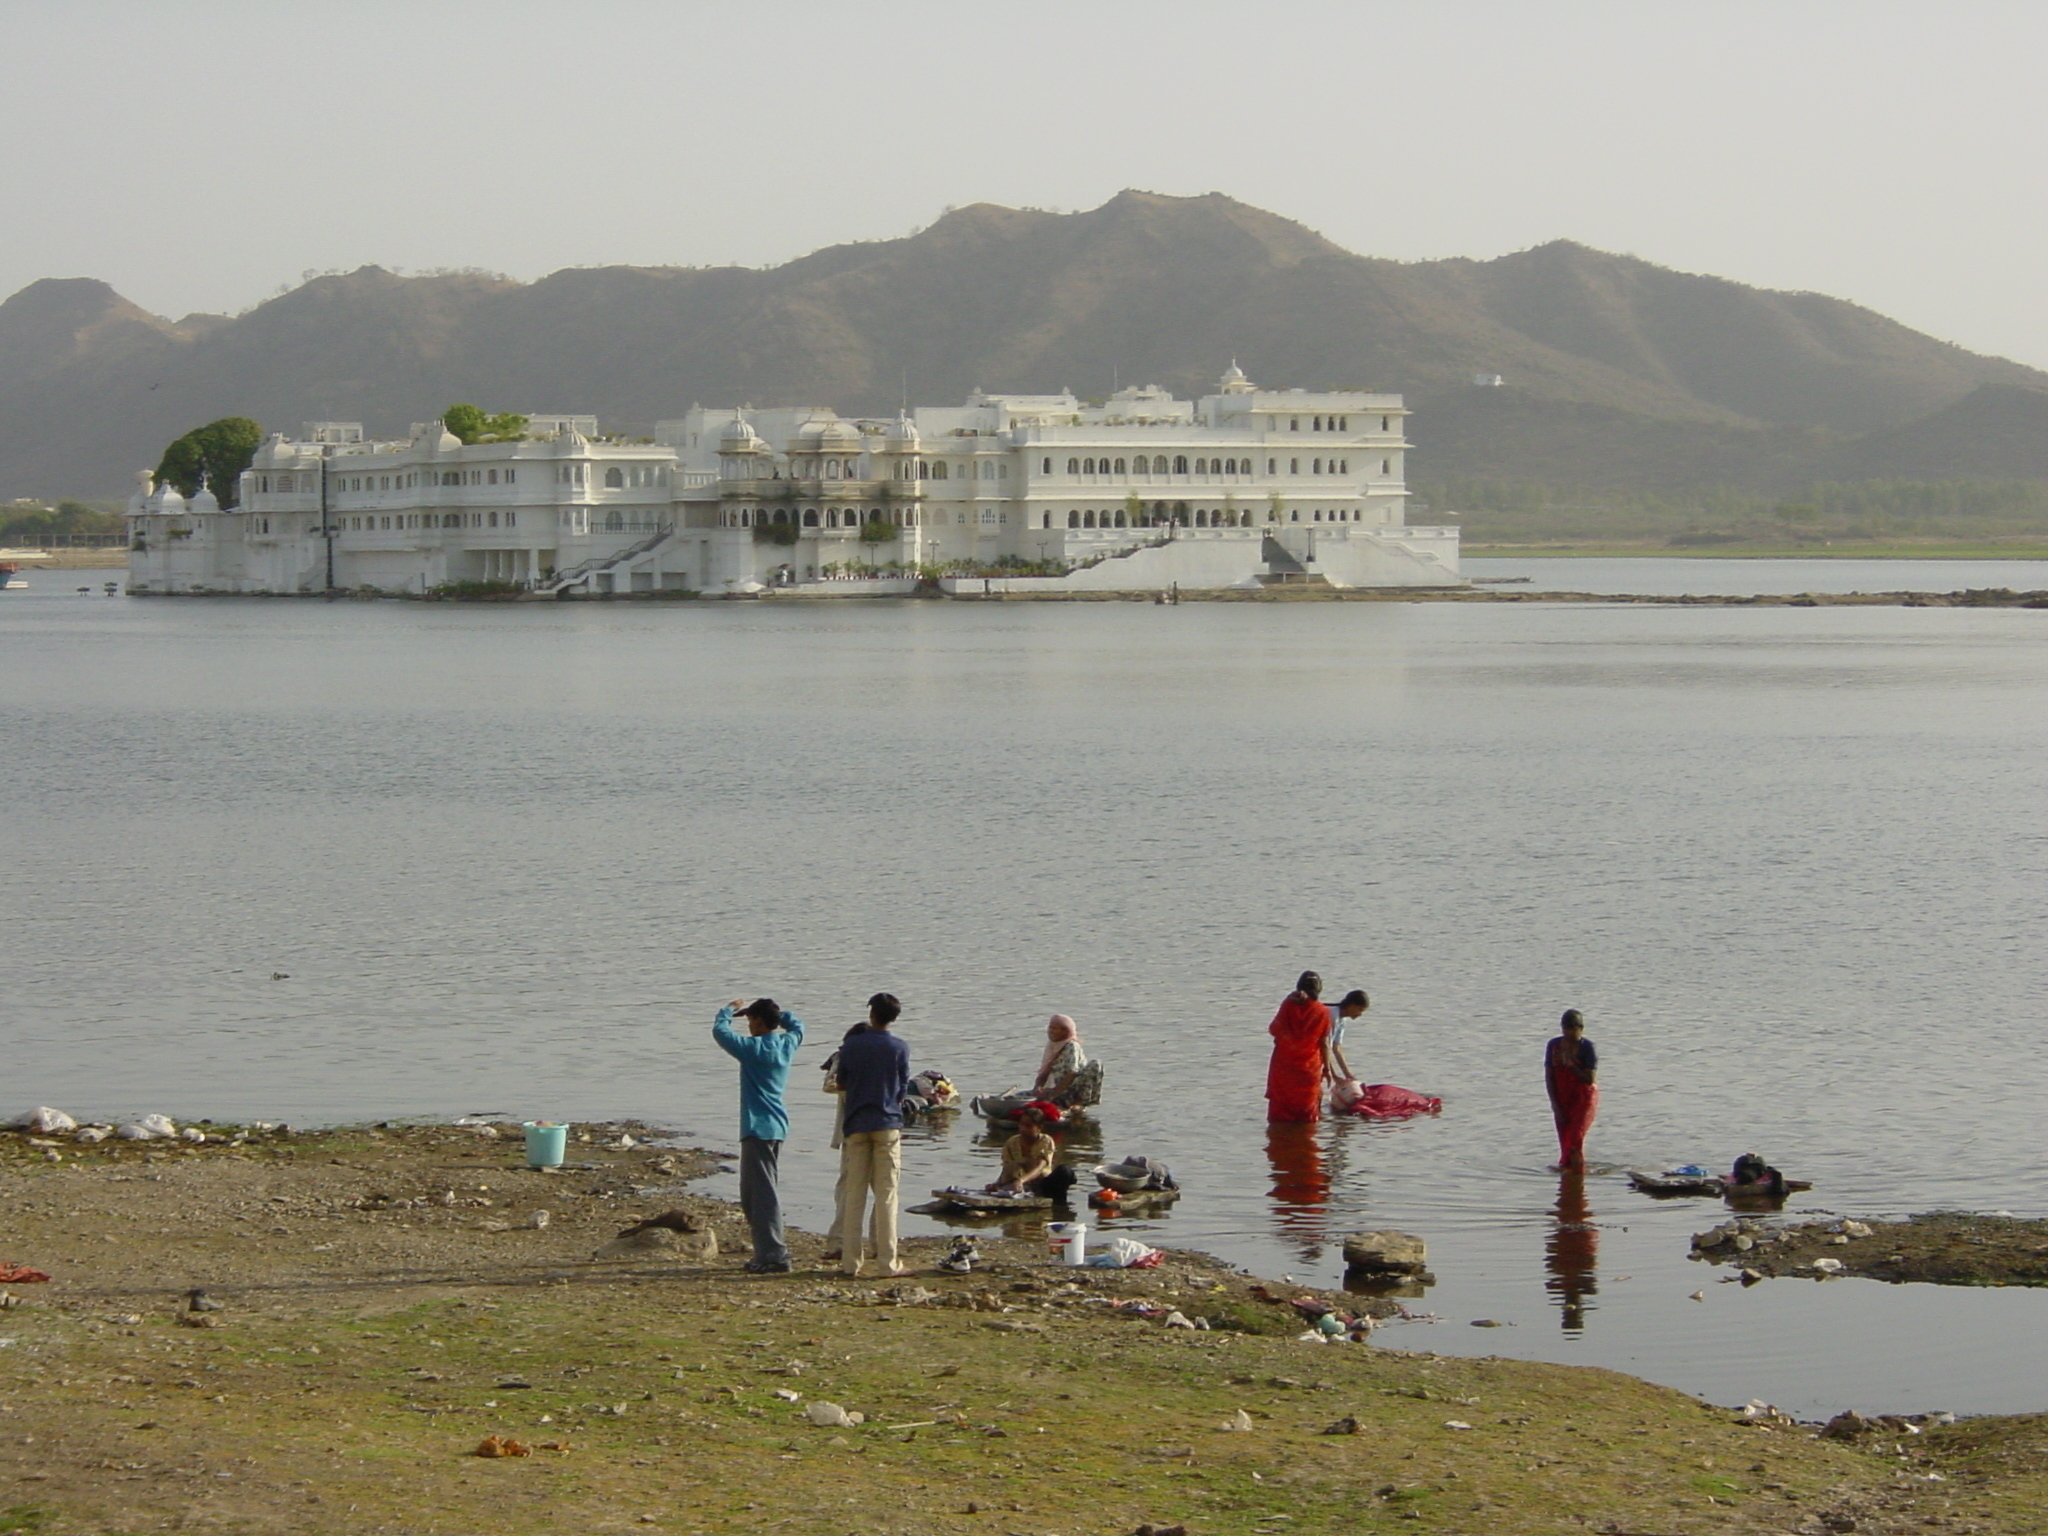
{"x": 1615, "y": 374}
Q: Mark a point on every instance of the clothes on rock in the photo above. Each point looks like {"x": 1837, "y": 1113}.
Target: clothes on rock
{"x": 1294, "y": 1077}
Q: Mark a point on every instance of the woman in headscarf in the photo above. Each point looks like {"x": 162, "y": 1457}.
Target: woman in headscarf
{"x": 1294, "y": 1079}
{"x": 1062, "y": 1062}
{"x": 1570, "y": 1071}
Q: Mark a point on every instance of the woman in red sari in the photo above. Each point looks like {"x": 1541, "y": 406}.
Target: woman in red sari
{"x": 1300, "y": 1031}
{"x": 1570, "y": 1065}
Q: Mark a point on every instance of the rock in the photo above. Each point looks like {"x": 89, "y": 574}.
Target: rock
{"x": 1239, "y": 1422}
{"x": 1855, "y": 1229}
{"x": 831, "y": 1416}
{"x": 538, "y": 1222}
{"x": 158, "y": 1125}
{"x": 1828, "y": 1266}
{"x": 1456, "y": 1424}
{"x": 1846, "y": 1425}
{"x": 89, "y": 1134}
{"x": 1175, "y": 1320}
{"x": 192, "y": 1133}
{"x": 196, "y": 1300}
{"x": 1386, "y": 1253}
{"x": 44, "y": 1121}
{"x": 1344, "y": 1426}
{"x": 687, "y": 1236}
{"x": 135, "y": 1132}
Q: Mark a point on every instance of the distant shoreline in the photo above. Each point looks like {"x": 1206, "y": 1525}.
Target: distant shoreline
{"x": 1473, "y": 551}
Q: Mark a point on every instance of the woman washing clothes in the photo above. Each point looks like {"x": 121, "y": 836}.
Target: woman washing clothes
{"x": 1301, "y": 1060}
{"x": 1570, "y": 1066}
{"x": 1060, "y": 1068}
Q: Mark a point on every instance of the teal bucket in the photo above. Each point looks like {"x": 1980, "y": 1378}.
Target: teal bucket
{"x": 545, "y": 1144}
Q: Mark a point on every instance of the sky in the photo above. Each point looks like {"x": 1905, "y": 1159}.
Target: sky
{"x": 204, "y": 154}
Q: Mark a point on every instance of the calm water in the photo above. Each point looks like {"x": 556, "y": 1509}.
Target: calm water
{"x": 1789, "y": 862}
{"x": 1747, "y": 578}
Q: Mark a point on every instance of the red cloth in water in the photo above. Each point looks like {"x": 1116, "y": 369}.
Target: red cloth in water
{"x": 1294, "y": 1078}
{"x": 1573, "y": 1103}
{"x": 1383, "y": 1101}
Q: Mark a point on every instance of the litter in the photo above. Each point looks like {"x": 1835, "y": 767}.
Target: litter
{"x": 1124, "y": 1253}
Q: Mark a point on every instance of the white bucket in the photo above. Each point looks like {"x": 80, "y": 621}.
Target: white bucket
{"x": 1068, "y": 1241}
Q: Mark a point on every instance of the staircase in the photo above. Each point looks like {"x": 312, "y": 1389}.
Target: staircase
{"x": 565, "y": 579}
{"x": 1284, "y": 568}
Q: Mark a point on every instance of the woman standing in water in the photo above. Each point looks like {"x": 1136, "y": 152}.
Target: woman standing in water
{"x": 1570, "y": 1065}
{"x": 1294, "y": 1079}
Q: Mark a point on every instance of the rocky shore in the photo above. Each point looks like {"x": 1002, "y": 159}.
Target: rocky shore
{"x": 1940, "y": 1248}
{"x": 378, "y": 1304}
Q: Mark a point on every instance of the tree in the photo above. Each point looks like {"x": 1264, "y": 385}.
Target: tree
{"x": 471, "y": 425}
{"x": 215, "y": 454}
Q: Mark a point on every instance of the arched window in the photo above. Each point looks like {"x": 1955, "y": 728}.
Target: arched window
{"x": 1294, "y": 466}
{"x": 1180, "y": 464}
{"x": 781, "y": 516}
{"x": 613, "y": 480}
{"x": 1386, "y": 466}
{"x": 1048, "y": 521}
{"x": 1159, "y": 464}
{"x": 1120, "y": 521}
{"x": 1294, "y": 423}
{"x": 1087, "y": 519}
{"x": 1201, "y": 519}
{"x": 1073, "y": 466}
{"x": 494, "y": 519}
{"x": 1087, "y": 466}
{"x": 613, "y": 523}
{"x": 1271, "y": 466}
{"x": 1073, "y": 519}
{"x": 939, "y": 470}
{"x": 1294, "y": 516}
{"x": 1318, "y": 466}
{"x": 1048, "y": 467}
{"x": 811, "y": 517}
{"x": 1120, "y": 466}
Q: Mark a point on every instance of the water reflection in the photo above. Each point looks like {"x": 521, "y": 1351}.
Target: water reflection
{"x": 1301, "y": 1187}
{"x": 1572, "y": 1253}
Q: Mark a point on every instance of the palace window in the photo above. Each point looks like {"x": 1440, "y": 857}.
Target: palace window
{"x": 1073, "y": 519}
{"x": 1120, "y": 466}
{"x": 1073, "y": 466}
{"x": 1048, "y": 468}
{"x": 1048, "y": 521}
{"x": 511, "y": 476}
{"x": 1180, "y": 464}
{"x": 1386, "y": 423}
{"x": 811, "y": 517}
{"x": 511, "y": 519}
{"x": 1386, "y": 466}
{"x": 1271, "y": 466}
{"x": 939, "y": 470}
{"x": 1294, "y": 423}
{"x": 614, "y": 480}
{"x": 1318, "y": 465}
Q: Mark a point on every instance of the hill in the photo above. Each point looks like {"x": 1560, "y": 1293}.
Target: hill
{"x": 1618, "y": 372}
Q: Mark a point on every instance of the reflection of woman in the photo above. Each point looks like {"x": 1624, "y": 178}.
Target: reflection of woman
{"x": 1569, "y": 1067}
{"x": 1294, "y": 1078}
{"x": 1573, "y": 1250}
{"x": 1063, "y": 1060}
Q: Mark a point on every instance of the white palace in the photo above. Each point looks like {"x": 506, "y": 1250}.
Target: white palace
{"x": 1046, "y": 493}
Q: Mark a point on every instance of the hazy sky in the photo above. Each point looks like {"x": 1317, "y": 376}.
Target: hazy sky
{"x": 197, "y": 155}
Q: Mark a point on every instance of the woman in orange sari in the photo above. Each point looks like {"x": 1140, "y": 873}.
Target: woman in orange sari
{"x": 1300, "y": 1031}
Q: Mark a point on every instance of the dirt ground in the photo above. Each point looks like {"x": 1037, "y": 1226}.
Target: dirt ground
{"x": 1939, "y": 1248}
{"x": 387, "y": 1300}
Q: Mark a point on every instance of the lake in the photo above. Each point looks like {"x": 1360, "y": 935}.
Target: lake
{"x": 1792, "y": 864}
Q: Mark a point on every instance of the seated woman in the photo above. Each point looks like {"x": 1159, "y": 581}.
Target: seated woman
{"x": 1060, "y": 1069}
{"x": 1753, "y": 1177}
{"x": 1029, "y": 1157}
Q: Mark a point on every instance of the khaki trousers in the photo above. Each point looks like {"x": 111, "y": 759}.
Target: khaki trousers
{"x": 870, "y": 1163}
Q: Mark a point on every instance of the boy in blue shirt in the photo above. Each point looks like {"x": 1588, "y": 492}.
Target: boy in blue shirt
{"x": 764, "y": 1053}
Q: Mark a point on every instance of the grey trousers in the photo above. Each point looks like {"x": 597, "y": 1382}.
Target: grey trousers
{"x": 760, "y": 1200}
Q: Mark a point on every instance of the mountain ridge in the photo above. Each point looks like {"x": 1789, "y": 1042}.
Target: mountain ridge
{"x": 1618, "y": 371}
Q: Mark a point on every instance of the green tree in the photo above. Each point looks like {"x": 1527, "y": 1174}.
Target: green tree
{"x": 216, "y": 454}
{"x": 472, "y": 425}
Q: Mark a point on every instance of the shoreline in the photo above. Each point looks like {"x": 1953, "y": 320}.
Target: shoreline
{"x": 387, "y": 1298}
